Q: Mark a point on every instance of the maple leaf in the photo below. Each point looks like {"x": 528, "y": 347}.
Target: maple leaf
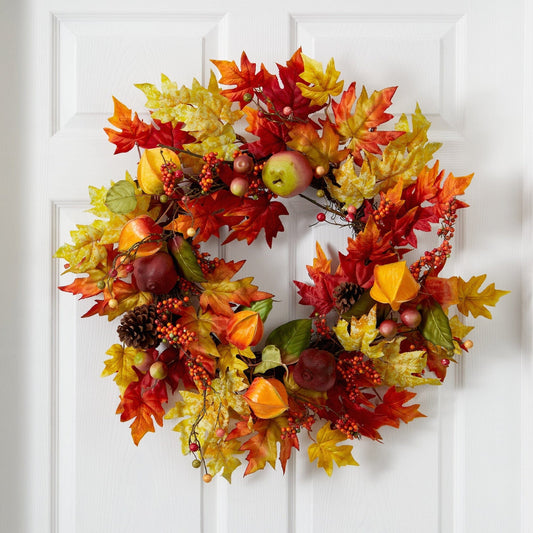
{"x": 351, "y": 189}
{"x": 369, "y": 248}
{"x": 444, "y": 290}
{"x": 394, "y": 409}
{"x": 244, "y": 78}
{"x": 360, "y": 128}
{"x": 167, "y": 134}
{"x": 127, "y": 295}
{"x": 256, "y": 215}
{"x": 319, "y": 150}
{"x": 320, "y": 295}
{"x": 475, "y": 302}
{"x": 219, "y": 292}
{"x": 220, "y": 455}
{"x": 201, "y": 324}
{"x": 86, "y": 286}
{"x": 323, "y": 84}
{"x": 132, "y": 131}
{"x": 404, "y": 157}
{"x": 121, "y": 363}
{"x": 273, "y": 136}
{"x": 209, "y": 409}
{"x": 289, "y": 95}
{"x": 402, "y": 369}
{"x": 206, "y": 216}
{"x": 459, "y": 331}
{"x": 262, "y": 447}
{"x": 142, "y": 404}
{"x": 86, "y": 252}
{"x": 362, "y": 333}
{"x": 228, "y": 360}
{"x": 326, "y": 449}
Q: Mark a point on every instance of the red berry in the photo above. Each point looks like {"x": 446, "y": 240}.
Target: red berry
{"x": 287, "y": 111}
{"x": 321, "y": 217}
{"x": 445, "y": 362}
{"x": 411, "y": 317}
{"x": 220, "y": 432}
{"x": 349, "y": 217}
{"x": 193, "y": 447}
{"x": 351, "y": 209}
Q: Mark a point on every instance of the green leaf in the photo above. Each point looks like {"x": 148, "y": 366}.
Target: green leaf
{"x": 270, "y": 358}
{"x": 291, "y": 338}
{"x": 183, "y": 253}
{"x": 120, "y": 198}
{"x": 435, "y": 327}
{"x": 263, "y": 307}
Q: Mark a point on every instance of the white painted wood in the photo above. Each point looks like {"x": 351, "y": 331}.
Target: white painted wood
{"x": 66, "y": 457}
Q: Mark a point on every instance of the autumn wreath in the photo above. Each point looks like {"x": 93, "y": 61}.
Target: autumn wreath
{"x": 192, "y": 333}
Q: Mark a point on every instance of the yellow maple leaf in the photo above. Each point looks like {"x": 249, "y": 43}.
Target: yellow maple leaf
{"x": 474, "y": 302}
{"x": 351, "y": 188}
{"x": 326, "y": 449}
{"x": 87, "y": 251}
{"x": 397, "y": 368}
{"x": 228, "y": 360}
{"x": 210, "y": 409}
{"x": 323, "y": 84}
{"x": 404, "y": 157}
{"x": 459, "y": 331}
{"x": 121, "y": 363}
{"x": 220, "y": 455}
{"x": 362, "y": 333}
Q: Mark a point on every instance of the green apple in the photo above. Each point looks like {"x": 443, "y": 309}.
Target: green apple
{"x": 287, "y": 173}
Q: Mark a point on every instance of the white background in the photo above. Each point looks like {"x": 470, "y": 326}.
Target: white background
{"x": 67, "y": 464}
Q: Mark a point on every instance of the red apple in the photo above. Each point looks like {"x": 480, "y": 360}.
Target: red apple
{"x": 315, "y": 370}
{"x": 411, "y": 317}
{"x": 243, "y": 164}
{"x": 155, "y": 273}
{"x": 287, "y": 173}
{"x": 239, "y": 186}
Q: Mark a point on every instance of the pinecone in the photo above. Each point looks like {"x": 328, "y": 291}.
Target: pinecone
{"x": 137, "y": 328}
{"x": 346, "y": 295}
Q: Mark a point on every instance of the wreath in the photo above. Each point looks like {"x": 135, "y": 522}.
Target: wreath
{"x": 192, "y": 334}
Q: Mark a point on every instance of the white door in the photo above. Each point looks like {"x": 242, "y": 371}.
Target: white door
{"x": 68, "y": 464}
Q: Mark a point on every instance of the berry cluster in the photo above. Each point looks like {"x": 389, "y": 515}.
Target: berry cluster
{"x": 209, "y": 171}
{"x": 321, "y": 327}
{"x": 197, "y": 371}
{"x": 296, "y": 423}
{"x": 357, "y": 372}
{"x": 168, "y": 331}
{"x": 347, "y": 426}
{"x": 436, "y": 258}
{"x": 383, "y": 209}
{"x": 171, "y": 176}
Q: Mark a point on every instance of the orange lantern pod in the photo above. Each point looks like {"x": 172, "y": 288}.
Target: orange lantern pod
{"x": 149, "y": 173}
{"x": 393, "y": 284}
{"x": 138, "y": 229}
{"x": 267, "y": 398}
{"x": 245, "y": 329}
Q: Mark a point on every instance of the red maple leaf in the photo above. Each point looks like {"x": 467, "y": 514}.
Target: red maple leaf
{"x": 256, "y": 215}
{"x": 206, "y": 214}
{"x": 244, "y": 78}
{"x": 168, "y": 135}
{"x": 289, "y": 94}
{"x": 273, "y": 136}
{"x": 132, "y": 131}
{"x": 394, "y": 410}
{"x": 369, "y": 248}
{"x": 142, "y": 404}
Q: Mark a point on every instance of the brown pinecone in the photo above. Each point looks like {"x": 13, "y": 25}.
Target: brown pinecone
{"x": 346, "y": 295}
{"x": 137, "y": 328}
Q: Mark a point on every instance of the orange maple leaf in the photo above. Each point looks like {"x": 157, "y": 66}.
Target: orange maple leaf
{"x": 132, "y": 131}
{"x": 219, "y": 292}
{"x": 142, "y": 404}
{"x": 393, "y": 407}
{"x": 319, "y": 150}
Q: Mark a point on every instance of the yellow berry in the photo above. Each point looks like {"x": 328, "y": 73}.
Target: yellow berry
{"x": 207, "y": 478}
{"x": 113, "y": 303}
{"x": 320, "y": 193}
{"x": 191, "y": 232}
{"x": 468, "y": 344}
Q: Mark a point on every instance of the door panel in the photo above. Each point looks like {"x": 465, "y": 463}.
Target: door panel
{"x": 457, "y": 470}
